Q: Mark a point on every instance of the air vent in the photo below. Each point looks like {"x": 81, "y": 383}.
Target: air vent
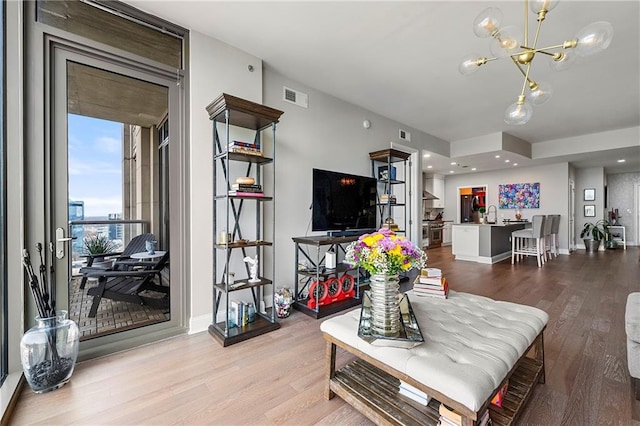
{"x": 295, "y": 97}
{"x": 404, "y": 135}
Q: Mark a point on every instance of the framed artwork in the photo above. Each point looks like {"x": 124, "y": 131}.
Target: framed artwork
{"x": 590, "y": 210}
{"x": 590, "y": 194}
{"x": 519, "y": 195}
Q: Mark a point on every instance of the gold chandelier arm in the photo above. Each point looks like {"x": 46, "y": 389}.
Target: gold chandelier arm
{"x": 526, "y": 22}
{"x": 526, "y": 79}
{"x": 535, "y": 40}
{"x": 525, "y": 75}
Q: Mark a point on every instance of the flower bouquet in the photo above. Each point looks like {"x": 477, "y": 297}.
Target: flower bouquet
{"x": 385, "y": 255}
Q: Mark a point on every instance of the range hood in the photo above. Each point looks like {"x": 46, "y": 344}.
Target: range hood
{"x": 426, "y": 195}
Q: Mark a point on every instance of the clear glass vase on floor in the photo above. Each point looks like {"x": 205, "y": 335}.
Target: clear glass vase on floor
{"x": 385, "y": 304}
{"x": 48, "y": 352}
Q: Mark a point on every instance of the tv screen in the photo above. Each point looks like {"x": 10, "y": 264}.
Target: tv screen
{"x": 342, "y": 201}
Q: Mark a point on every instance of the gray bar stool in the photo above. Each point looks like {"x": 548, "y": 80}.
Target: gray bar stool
{"x": 529, "y": 242}
{"x": 554, "y": 246}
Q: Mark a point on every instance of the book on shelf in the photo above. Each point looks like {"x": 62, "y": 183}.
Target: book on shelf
{"x": 485, "y": 420}
{"x": 443, "y": 421}
{"x": 246, "y": 188}
{"x": 430, "y": 281}
{"x": 244, "y": 144}
{"x": 450, "y": 414}
{"x": 437, "y": 290}
{"x": 413, "y": 393}
{"x": 248, "y": 151}
{"x": 246, "y": 194}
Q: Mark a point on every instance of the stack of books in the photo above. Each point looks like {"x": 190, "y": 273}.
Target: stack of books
{"x": 246, "y": 190}
{"x": 245, "y": 148}
{"x": 414, "y": 393}
{"x": 450, "y": 417}
{"x": 432, "y": 283}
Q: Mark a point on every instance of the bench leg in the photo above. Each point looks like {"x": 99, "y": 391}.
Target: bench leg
{"x": 539, "y": 354}
{"x": 636, "y": 387}
{"x": 330, "y": 372}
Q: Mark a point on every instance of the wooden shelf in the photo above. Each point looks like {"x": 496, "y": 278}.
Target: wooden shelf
{"x": 392, "y": 155}
{"x": 325, "y": 272}
{"x": 325, "y": 310}
{"x": 245, "y": 284}
{"x": 242, "y": 113}
{"x": 375, "y": 393}
{"x": 239, "y": 334}
{"x": 247, "y": 158}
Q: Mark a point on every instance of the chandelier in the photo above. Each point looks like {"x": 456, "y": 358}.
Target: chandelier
{"x": 510, "y": 42}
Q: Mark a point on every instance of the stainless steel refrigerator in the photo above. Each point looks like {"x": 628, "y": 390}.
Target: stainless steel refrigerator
{"x": 466, "y": 208}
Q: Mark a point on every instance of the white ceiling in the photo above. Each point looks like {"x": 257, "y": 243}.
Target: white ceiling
{"x": 399, "y": 59}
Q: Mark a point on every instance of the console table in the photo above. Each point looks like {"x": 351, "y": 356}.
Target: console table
{"x": 313, "y": 250}
{"x": 619, "y": 235}
{"x": 472, "y": 346}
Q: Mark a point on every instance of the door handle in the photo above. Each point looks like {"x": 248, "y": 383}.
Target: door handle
{"x": 61, "y": 242}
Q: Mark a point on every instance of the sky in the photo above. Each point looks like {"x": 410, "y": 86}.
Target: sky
{"x": 95, "y": 164}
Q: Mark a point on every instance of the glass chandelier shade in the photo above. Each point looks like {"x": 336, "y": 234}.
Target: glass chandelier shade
{"x": 510, "y": 42}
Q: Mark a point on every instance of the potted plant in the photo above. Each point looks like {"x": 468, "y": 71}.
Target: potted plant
{"x": 593, "y": 233}
{"x": 483, "y": 218}
{"x": 97, "y": 245}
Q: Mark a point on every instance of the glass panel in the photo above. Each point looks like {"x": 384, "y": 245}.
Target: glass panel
{"x": 113, "y": 203}
{"x": 163, "y": 169}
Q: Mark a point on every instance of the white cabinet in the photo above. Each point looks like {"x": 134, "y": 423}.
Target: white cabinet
{"x": 435, "y": 185}
{"x": 446, "y": 234}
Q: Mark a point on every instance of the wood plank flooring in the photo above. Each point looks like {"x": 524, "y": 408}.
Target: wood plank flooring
{"x": 277, "y": 378}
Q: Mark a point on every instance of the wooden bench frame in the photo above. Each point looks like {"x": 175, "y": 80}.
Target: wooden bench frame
{"x": 371, "y": 387}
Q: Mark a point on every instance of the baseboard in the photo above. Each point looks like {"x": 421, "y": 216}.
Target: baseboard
{"x": 200, "y": 323}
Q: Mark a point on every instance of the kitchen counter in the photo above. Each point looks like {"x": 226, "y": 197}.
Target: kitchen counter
{"x": 483, "y": 243}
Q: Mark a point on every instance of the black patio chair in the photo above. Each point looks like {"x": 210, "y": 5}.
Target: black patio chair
{"x": 127, "y": 286}
{"x": 120, "y": 261}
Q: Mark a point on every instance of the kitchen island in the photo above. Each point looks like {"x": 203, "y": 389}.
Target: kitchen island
{"x": 483, "y": 243}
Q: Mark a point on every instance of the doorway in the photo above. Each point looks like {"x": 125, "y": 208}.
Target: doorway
{"x": 472, "y": 204}
{"x": 76, "y": 85}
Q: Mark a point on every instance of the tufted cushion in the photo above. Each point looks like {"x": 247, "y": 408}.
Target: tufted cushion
{"x": 471, "y": 343}
{"x": 632, "y": 317}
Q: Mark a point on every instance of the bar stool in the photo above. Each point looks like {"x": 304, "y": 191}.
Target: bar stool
{"x": 555, "y": 227}
{"x": 546, "y": 242}
{"x": 522, "y": 243}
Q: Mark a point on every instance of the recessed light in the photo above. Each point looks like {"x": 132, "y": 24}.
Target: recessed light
{"x": 427, "y": 155}
{"x": 451, "y": 171}
{"x": 453, "y": 163}
{"x": 429, "y": 167}
{"x": 515, "y": 164}
{"x": 474, "y": 169}
{"x": 506, "y": 161}
{"x": 497, "y": 156}
{"x": 622, "y": 160}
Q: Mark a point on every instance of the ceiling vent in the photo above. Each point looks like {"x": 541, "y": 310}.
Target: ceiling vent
{"x": 295, "y": 97}
{"x": 405, "y": 136}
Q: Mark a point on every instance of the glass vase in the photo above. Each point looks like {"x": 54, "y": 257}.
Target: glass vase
{"x": 385, "y": 304}
{"x": 48, "y": 352}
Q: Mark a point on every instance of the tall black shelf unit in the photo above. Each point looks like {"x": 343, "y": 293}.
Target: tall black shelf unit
{"x": 390, "y": 184}
{"x": 241, "y": 218}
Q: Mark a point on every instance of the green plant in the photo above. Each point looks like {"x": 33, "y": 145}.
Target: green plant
{"x": 481, "y": 210}
{"x": 98, "y": 244}
{"x": 597, "y": 231}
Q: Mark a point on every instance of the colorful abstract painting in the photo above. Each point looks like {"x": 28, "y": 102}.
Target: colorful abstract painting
{"x": 519, "y": 195}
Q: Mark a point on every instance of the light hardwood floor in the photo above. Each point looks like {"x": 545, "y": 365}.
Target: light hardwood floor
{"x": 277, "y": 378}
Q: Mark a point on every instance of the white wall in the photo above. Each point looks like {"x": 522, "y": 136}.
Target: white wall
{"x": 554, "y": 198}
{"x": 589, "y": 178}
{"x": 215, "y": 68}
{"x": 621, "y": 196}
{"x": 327, "y": 135}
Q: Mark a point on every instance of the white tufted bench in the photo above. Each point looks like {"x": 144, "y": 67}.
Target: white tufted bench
{"x": 472, "y": 345}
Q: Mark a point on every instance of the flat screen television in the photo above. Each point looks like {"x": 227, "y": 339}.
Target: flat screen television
{"x": 343, "y": 201}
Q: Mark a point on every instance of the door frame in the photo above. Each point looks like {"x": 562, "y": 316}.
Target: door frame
{"x": 42, "y": 42}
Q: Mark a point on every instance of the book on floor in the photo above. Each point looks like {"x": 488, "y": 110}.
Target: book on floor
{"x": 450, "y": 414}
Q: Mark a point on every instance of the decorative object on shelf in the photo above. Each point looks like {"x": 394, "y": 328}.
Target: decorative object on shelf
{"x": 253, "y": 268}
{"x": 384, "y": 255}
{"x": 49, "y": 350}
{"x": 590, "y": 194}
{"x": 245, "y": 180}
{"x": 510, "y": 42}
{"x": 282, "y": 300}
{"x": 150, "y": 246}
{"x": 518, "y": 215}
{"x": 519, "y": 195}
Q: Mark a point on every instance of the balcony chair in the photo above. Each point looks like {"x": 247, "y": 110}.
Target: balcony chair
{"x": 119, "y": 261}
{"x": 127, "y": 286}
{"x": 530, "y": 241}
